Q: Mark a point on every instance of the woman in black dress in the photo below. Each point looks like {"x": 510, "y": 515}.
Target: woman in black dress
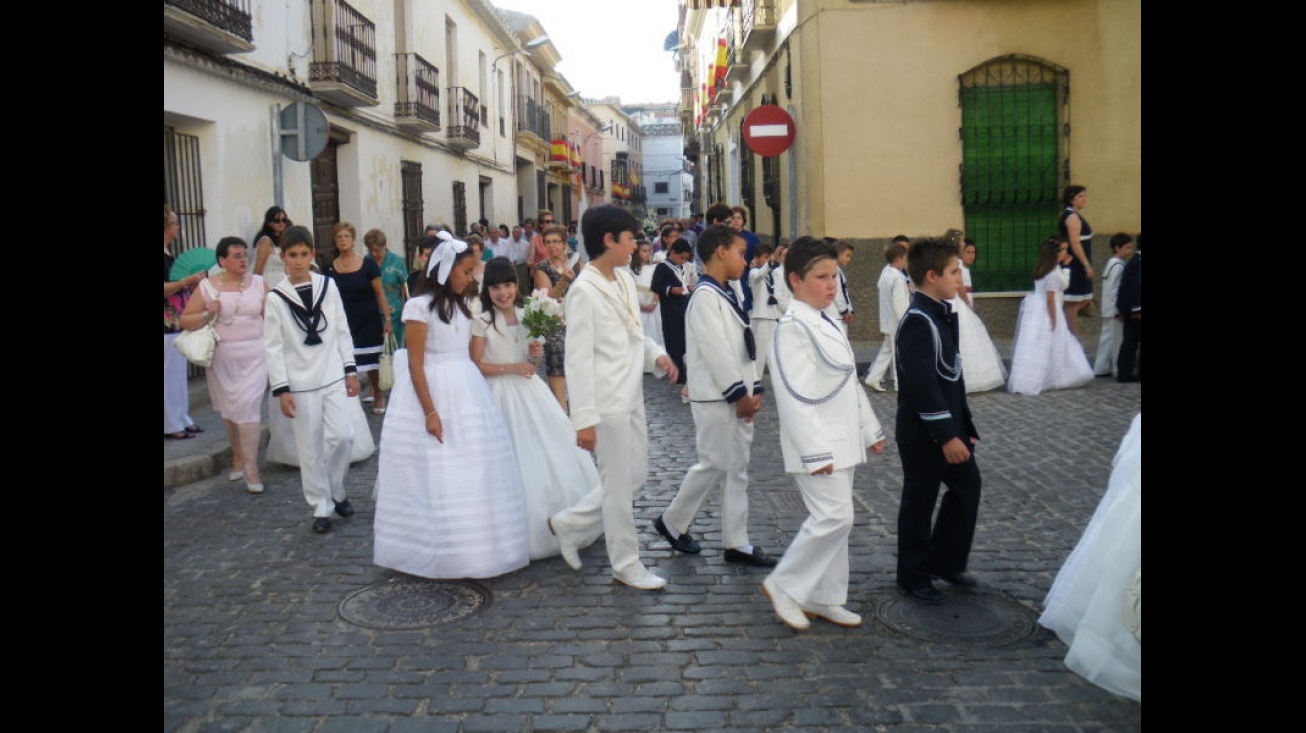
{"x": 1076, "y": 230}
{"x": 359, "y": 280}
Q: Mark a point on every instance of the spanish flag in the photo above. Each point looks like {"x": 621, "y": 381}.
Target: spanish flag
{"x": 722, "y": 51}
{"x": 558, "y": 150}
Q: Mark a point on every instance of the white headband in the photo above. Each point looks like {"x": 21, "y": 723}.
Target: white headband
{"x": 444, "y": 254}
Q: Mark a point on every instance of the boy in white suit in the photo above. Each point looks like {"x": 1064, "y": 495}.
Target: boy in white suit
{"x": 606, "y": 356}
{"x": 310, "y": 359}
{"x": 894, "y": 299}
{"x": 765, "y": 278}
{"x": 724, "y": 394}
{"x": 826, "y": 426}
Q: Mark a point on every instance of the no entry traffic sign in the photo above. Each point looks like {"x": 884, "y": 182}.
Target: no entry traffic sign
{"x": 768, "y": 130}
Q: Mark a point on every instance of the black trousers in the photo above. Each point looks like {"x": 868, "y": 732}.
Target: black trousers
{"x": 944, "y": 547}
{"x": 1129, "y": 365}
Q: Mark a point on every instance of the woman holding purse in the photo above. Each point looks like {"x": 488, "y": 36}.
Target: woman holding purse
{"x": 232, "y": 301}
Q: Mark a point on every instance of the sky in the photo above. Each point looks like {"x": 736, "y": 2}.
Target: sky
{"x": 611, "y": 47}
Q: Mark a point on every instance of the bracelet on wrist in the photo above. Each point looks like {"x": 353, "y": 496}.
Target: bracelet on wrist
{"x": 430, "y": 414}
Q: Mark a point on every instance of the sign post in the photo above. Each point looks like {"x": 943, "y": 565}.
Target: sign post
{"x": 769, "y": 131}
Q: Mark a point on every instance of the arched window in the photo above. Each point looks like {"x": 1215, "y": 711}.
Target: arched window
{"x": 1014, "y": 131}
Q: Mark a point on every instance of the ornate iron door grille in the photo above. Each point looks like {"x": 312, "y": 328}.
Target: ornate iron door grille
{"x": 1014, "y": 131}
{"x": 460, "y": 208}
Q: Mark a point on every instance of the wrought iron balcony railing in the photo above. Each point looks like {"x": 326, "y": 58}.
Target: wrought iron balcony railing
{"x": 344, "y": 54}
{"x": 224, "y": 26}
{"x": 533, "y": 118}
{"x": 757, "y": 22}
{"x": 419, "y": 93}
{"x": 464, "y": 118}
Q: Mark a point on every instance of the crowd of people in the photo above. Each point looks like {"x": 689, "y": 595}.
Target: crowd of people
{"x": 705, "y": 304}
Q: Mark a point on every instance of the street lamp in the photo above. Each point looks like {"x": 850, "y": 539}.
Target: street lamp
{"x": 527, "y": 46}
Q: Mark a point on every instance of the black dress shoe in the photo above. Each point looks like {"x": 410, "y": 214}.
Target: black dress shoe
{"x": 321, "y": 525}
{"x": 963, "y": 580}
{"x": 345, "y": 509}
{"x": 756, "y": 557}
{"x": 684, "y": 543}
{"x": 927, "y": 594}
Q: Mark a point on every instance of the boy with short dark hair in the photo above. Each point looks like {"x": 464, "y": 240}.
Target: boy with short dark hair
{"x": 1108, "y": 343}
{"x": 935, "y": 433}
{"x": 310, "y": 359}
{"x": 724, "y": 394}
{"x": 842, "y": 307}
{"x": 766, "y": 306}
{"x": 607, "y": 354}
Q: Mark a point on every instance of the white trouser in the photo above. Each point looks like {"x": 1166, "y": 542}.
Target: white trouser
{"x": 763, "y": 333}
{"x": 724, "y": 442}
{"x": 883, "y": 364}
{"x": 1108, "y": 347}
{"x": 621, "y": 451}
{"x": 176, "y": 393}
{"x": 324, "y": 436}
{"x": 814, "y": 570}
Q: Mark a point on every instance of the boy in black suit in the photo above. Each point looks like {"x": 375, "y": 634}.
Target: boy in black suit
{"x": 1129, "y": 306}
{"x": 935, "y": 433}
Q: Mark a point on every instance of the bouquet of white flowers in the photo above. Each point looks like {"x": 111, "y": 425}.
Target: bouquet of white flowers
{"x": 541, "y": 315}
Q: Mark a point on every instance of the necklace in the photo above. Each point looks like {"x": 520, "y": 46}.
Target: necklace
{"x": 244, "y": 283}
{"x": 621, "y": 303}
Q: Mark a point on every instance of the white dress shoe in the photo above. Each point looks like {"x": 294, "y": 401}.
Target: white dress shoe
{"x": 253, "y": 488}
{"x": 834, "y": 614}
{"x": 641, "y": 577}
{"x": 236, "y": 475}
{"x": 566, "y": 548}
{"x": 786, "y": 608}
{"x": 875, "y": 386}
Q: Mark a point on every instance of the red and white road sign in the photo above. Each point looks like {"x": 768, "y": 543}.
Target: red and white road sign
{"x": 768, "y": 130}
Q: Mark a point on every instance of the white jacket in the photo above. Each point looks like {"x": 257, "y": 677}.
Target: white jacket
{"x": 607, "y": 352}
{"x": 825, "y": 417}
{"x": 291, "y": 362}
{"x": 895, "y": 298}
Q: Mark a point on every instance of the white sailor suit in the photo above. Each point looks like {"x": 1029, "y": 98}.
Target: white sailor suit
{"x": 766, "y": 309}
{"x": 894, "y": 301}
{"x": 309, "y": 353}
{"x": 607, "y": 354}
{"x": 843, "y": 302}
{"x": 719, "y": 351}
{"x": 825, "y": 419}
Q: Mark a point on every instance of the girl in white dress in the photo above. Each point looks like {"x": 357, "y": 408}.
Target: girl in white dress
{"x": 979, "y": 357}
{"x": 1096, "y": 603}
{"x": 1047, "y": 354}
{"x": 642, "y": 266}
{"x": 449, "y": 500}
{"x": 555, "y": 472}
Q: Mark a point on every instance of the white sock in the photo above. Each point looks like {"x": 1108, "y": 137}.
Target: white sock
{"x": 746, "y": 549}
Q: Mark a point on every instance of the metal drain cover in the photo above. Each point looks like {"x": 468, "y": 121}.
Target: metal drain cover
{"x": 409, "y": 604}
{"x": 973, "y": 618}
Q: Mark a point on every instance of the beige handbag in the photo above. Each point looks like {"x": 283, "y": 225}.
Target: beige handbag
{"x": 387, "y": 376}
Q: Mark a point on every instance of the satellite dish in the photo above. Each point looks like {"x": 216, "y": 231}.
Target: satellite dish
{"x": 304, "y": 130}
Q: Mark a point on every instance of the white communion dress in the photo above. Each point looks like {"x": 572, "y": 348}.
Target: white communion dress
{"x": 980, "y": 361}
{"x": 1045, "y": 357}
{"x": 555, "y": 472}
{"x": 451, "y": 509}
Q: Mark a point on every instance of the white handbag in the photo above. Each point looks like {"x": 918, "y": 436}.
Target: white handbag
{"x": 198, "y": 345}
{"x": 386, "y": 378}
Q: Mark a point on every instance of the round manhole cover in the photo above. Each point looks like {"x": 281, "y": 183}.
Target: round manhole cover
{"x": 971, "y": 619}
{"x": 408, "y": 604}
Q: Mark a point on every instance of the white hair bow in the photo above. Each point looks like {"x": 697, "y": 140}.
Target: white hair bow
{"x": 444, "y": 256}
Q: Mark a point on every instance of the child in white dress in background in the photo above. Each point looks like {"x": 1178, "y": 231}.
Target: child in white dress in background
{"x": 979, "y": 357}
{"x": 1047, "y": 354}
{"x": 449, "y": 500}
{"x": 642, "y": 266}
{"x": 555, "y": 472}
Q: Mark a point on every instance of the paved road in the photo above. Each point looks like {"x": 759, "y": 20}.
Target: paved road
{"x": 254, "y": 638}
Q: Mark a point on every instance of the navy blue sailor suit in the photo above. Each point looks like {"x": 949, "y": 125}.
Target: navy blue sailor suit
{"x": 932, "y": 410}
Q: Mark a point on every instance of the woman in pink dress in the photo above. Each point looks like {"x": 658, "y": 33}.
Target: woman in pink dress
{"x": 238, "y": 377}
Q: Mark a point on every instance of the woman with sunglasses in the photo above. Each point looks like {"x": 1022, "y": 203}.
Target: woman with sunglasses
{"x": 267, "y": 248}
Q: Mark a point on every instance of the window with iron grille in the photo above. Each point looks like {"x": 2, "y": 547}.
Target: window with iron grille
{"x": 746, "y": 173}
{"x": 1014, "y": 131}
{"x": 459, "y": 208}
{"x": 663, "y": 187}
{"x": 410, "y": 173}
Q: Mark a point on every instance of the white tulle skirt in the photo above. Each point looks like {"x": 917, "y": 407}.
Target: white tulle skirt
{"x": 555, "y": 472}
{"x": 1045, "y": 358}
{"x": 451, "y": 509}
{"x": 1095, "y": 604}
{"x": 980, "y": 360}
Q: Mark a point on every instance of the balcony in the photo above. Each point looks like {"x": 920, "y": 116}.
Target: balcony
{"x": 223, "y": 26}
{"x": 418, "y": 108}
{"x": 344, "y": 55}
{"x": 533, "y": 118}
{"x": 464, "y": 131}
{"x": 757, "y": 24}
